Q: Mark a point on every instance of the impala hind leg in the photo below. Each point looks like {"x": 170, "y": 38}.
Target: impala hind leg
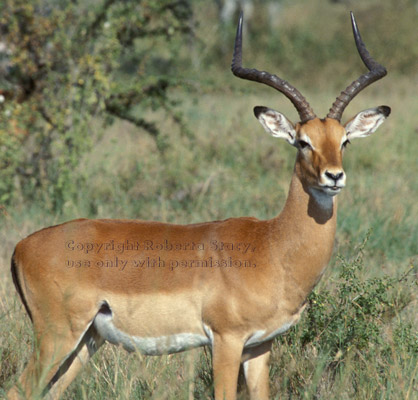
{"x": 67, "y": 372}
{"x": 54, "y": 364}
{"x": 256, "y": 370}
{"x": 227, "y": 352}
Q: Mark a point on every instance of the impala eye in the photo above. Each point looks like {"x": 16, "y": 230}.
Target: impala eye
{"x": 303, "y": 144}
{"x": 346, "y": 143}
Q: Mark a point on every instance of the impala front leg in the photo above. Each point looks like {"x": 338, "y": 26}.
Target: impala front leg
{"x": 227, "y": 352}
{"x": 256, "y": 370}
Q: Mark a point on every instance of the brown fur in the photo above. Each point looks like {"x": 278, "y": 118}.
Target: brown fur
{"x": 280, "y": 261}
{"x": 289, "y": 253}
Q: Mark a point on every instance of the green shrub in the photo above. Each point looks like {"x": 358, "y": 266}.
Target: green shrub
{"x": 74, "y": 65}
{"x": 349, "y": 330}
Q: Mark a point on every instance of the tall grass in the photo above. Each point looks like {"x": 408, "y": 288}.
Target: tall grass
{"x": 228, "y": 167}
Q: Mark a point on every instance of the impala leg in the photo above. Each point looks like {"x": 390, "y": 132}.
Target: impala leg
{"x": 22, "y": 390}
{"x": 53, "y": 365}
{"x": 48, "y": 353}
{"x": 227, "y": 352}
{"x": 69, "y": 370}
{"x": 256, "y": 370}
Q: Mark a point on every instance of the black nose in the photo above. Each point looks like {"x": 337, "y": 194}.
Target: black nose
{"x": 334, "y": 177}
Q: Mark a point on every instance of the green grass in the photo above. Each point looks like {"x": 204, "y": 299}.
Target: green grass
{"x": 230, "y": 167}
{"x": 233, "y": 168}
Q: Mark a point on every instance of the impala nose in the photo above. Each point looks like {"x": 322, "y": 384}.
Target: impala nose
{"x": 335, "y": 177}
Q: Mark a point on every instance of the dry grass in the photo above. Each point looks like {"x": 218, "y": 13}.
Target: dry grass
{"x": 230, "y": 167}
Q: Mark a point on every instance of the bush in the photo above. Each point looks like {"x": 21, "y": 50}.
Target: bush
{"x": 349, "y": 330}
{"x": 68, "y": 66}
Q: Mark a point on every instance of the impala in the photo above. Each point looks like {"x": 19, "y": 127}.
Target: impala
{"x": 158, "y": 288}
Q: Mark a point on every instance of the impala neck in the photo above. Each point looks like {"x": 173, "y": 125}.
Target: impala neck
{"x": 304, "y": 232}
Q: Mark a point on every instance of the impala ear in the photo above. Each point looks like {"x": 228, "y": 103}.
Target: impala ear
{"x": 276, "y": 124}
{"x": 366, "y": 122}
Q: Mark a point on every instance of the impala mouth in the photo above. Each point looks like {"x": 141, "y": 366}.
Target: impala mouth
{"x": 332, "y": 190}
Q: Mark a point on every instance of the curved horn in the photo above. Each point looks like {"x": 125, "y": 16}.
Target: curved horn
{"x": 304, "y": 109}
{"x": 376, "y": 72}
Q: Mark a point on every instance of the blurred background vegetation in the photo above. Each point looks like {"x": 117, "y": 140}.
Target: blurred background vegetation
{"x": 71, "y": 70}
{"x": 128, "y": 109}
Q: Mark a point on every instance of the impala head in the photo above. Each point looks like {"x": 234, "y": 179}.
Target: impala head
{"x": 320, "y": 142}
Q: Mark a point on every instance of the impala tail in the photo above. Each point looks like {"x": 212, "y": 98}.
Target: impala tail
{"x": 18, "y": 284}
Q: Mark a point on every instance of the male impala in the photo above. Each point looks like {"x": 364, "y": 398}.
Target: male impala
{"x": 158, "y": 288}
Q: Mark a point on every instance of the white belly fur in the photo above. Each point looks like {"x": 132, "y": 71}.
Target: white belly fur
{"x": 262, "y": 336}
{"x": 259, "y": 337}
{"x": 147, "y": 345}
{"x": 178, "y": 342}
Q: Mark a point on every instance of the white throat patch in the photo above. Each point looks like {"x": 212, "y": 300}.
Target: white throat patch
{"x": 325, "y": 201}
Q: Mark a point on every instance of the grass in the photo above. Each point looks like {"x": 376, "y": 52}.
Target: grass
{"x": 230, "y": 167}
{"x": 234, "y": 169}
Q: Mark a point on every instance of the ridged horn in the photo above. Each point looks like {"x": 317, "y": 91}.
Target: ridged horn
{"x": 376, "y": 72}
{"x": 302, "y": 106}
